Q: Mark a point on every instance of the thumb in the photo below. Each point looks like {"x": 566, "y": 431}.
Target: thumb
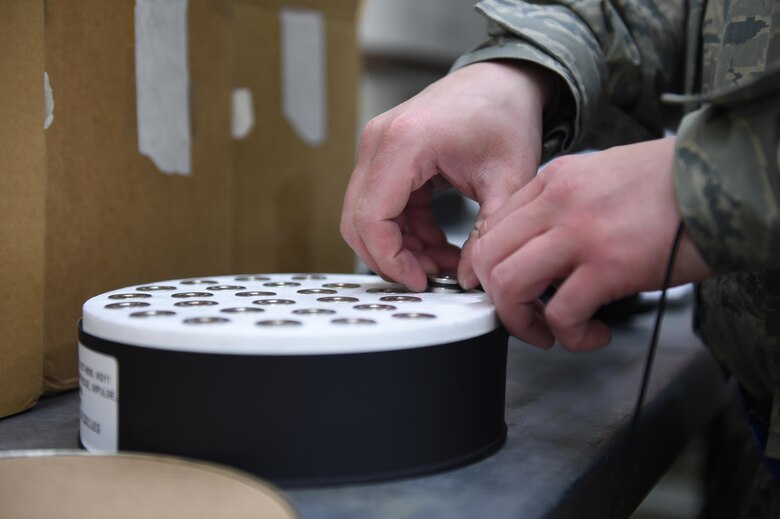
{"x": 466, "y": 275}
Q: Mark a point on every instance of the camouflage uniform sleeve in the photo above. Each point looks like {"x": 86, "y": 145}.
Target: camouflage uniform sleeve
{"x": 614, "y": 58}
{"x": 727, "y": 177}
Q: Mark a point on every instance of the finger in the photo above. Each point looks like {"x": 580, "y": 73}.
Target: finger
{"x": 369, "y": 141}
{"x": 527, "y": 323}
{"x": 445, "y": 258}
{"x": 522, "y": 198}
{"x": 467, "y": 278}
{"x": 495, "y": 207}
{"x": 540, "y": 334}
{"x": 419, "y": 219}
{"x": 428, "y": 265}
{"x": 357, "y": 245}
{"x": 466, "y": 275}
{"x": 434, "y": 258}
{"x": 570, "y": 310}
{"x": 396, "y": 172}
{"x": 384, "y": 242}
{"x": 517, "y": 282}
{"x": 350, "y": 235}
{"x": 506, "y": 239}
{"x": 423, "y": 230}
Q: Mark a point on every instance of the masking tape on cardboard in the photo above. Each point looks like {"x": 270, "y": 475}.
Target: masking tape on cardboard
{"x": 303, "y": 73}
{"x": 162, "y": 84}
{"x": 242, "y": 113}
{"x": 48, "y": 102}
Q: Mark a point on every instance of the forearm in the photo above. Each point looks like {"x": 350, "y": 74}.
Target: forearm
{"x": 612, "y": 60}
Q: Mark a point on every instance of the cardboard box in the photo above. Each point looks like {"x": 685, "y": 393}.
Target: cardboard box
{"x": 290, "y": 181}
{"x": 137, "y": 177}
{"x": 22, "y": 191}
{"x": 113, "y": 217}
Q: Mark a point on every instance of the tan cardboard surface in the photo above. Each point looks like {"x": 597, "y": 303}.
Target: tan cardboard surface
{"x": 74, "y": 486}
{"x": 332, "y": 168}
{"x": 267, "y": 203}
{"x": 112, "y": 218}
{"x": 255, "y": 189}
{"x": 22, "y": 191}
{"x": 288, "y": 194}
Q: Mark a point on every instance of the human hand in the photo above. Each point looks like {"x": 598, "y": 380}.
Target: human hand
{"x": 599, "y": 227}
{"x": 478, "y": 129}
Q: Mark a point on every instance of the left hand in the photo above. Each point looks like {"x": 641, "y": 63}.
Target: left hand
{"x": 478, "y": 129}
{"x": 597, "y": 226}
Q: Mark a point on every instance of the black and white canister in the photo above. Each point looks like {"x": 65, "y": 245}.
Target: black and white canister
{"x": 302, "y": 379}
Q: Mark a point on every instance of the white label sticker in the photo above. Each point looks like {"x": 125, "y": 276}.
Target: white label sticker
{"x": 303, "y": 73}
{"x": 162, "y": 84}
{"x": 99, "y": 391}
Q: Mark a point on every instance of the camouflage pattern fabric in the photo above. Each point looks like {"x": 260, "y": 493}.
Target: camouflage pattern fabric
{"x": 614, "y": 60}
{"x": 727, "y": 176}
{"x": 728, "y": 187}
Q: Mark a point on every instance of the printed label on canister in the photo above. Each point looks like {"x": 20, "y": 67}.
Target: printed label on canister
{"x": 98, "y": 388}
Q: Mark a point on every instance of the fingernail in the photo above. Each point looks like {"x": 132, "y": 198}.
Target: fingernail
{"x": 468, "y": 281}
{"x": 480, "y": 227}
{"x": 477, "y": 227}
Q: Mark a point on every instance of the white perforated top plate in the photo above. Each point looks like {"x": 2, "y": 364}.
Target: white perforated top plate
{"x": 283, "y": 314}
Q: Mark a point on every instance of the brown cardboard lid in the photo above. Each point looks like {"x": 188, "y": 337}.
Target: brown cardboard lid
{"x": 74, "y": 484}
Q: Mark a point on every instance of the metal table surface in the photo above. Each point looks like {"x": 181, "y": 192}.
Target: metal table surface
{"x": 566, "y": 456}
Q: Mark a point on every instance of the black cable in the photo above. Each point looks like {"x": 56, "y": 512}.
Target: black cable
{"x": 629, "y": 451}
{"x": 656, "y": 329}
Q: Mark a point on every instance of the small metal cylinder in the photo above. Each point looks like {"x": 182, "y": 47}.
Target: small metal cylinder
{"x": 443, "y": 284}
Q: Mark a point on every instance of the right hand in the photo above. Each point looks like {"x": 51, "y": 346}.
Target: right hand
{"x": 478, "y": 129}
{"x": 598, "y": 227}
